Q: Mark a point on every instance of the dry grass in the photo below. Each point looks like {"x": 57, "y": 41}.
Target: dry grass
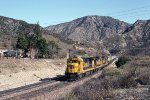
{"x": 112, "y": 72}
{"x": 70, "y": 96}
{"x": 139, "y": 67}
{"x": 8, "y": 66}
{"x": 94, "y": 90}
{"x": 19, "y": 72}
{"x": 60, "y": 43}
{"x": 118, "y": 83}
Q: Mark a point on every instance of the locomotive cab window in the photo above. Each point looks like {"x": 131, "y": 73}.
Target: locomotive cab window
{"x": 73, "y": 61}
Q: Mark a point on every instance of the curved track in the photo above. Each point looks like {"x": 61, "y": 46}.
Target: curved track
{"x": 24, "y": 90}
{"x": 47, "y": 86}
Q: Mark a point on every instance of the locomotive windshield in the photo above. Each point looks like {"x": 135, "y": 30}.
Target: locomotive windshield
{"x": 73, "y": 61}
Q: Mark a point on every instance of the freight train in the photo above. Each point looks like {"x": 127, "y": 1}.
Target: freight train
{"x": 78, "y": 67}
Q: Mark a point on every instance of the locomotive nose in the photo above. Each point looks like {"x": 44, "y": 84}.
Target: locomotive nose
{"x": 72, "y": 68}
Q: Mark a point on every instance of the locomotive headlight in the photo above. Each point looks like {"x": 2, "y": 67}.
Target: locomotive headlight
{"x": 76, "y": 65}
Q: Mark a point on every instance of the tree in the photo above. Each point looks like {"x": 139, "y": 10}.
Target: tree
{"x": 34, "y": 40}
{"x": 52, "y": 48}
{"x": 42, "y": 47}
{"x": 121, "y": 61}
{"x": 37, "y": 36}
{"x": 22, "y": 43}
{"x": 38, "y": 32}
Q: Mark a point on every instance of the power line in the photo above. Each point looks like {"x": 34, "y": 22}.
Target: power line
{"x": 129, "y": 10}
{"x": 137, "y": 15}
{"x": 135, "y": 12}
{"x": 131, "y": 13}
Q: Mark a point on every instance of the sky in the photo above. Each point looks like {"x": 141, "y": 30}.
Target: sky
{"x": 51, "y": 12}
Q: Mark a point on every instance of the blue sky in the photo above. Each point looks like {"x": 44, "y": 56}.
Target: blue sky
{"x": 51, "y": 12}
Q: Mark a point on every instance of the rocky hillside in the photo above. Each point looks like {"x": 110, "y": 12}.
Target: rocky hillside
{"x": 138, "y": 36}
{"x": 89, "y": 28}
{"x": 90, "y": 31}
{"x": 106, "y": 32}
{"x": 94, "y": 31}
{"x": 10, "y": 29}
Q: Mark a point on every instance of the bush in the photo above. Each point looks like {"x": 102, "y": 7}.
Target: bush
{"x": 144, "y": 79}
{"x": 121, "y": 61}
{"x": 101, "y": 88}
{"x": 111, "y": 72}
{"x": 124, "y": 81}
{"x": 69, "y": 96}
{"x": 95, "y": 89}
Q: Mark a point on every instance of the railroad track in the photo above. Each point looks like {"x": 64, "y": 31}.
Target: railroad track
{"x": 24, "y": 90}
{"x": 43, "y": 87}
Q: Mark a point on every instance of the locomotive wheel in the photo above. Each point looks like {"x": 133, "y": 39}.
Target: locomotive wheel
{"x": 84, "y": 74}
{"x": 91, "y": 72}
{"x": 80, "y": 76}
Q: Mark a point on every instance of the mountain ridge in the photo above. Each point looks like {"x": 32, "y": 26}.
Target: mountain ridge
{"x": 100, "y": 32}
{"x": 86, "y": 25}
{"x": 106, "y": 31}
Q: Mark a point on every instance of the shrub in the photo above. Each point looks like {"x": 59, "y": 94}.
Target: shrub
{"x": 95, "y": 89}
{"x": 111, "y": 72}
{"x": 101, "y": 88}
{"x": 121, "y": 61}
{"x": 144, "y": 79}
{"x": 69, "y": 96}
{"x": 124, "y": 81}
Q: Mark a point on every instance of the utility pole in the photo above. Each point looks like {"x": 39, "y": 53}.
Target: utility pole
{"x": 68, "y": 54}
{"x": 30, "y": 49}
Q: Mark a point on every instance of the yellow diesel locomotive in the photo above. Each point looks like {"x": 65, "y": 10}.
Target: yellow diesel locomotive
{"x": 78, "y": 67}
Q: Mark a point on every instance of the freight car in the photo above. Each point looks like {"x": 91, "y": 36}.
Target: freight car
{"x": 78, "y": 67}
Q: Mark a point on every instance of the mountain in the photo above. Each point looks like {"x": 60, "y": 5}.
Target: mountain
{"x": 138, "y": 33}
{"x": 10, "y": 29}
{"x": 99, "y": 32}
{"x": 89, "y": 28}
{"x": 95, "y": 31}
{"x": 138, "y": 36}
{"x": 106, "y": 32}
